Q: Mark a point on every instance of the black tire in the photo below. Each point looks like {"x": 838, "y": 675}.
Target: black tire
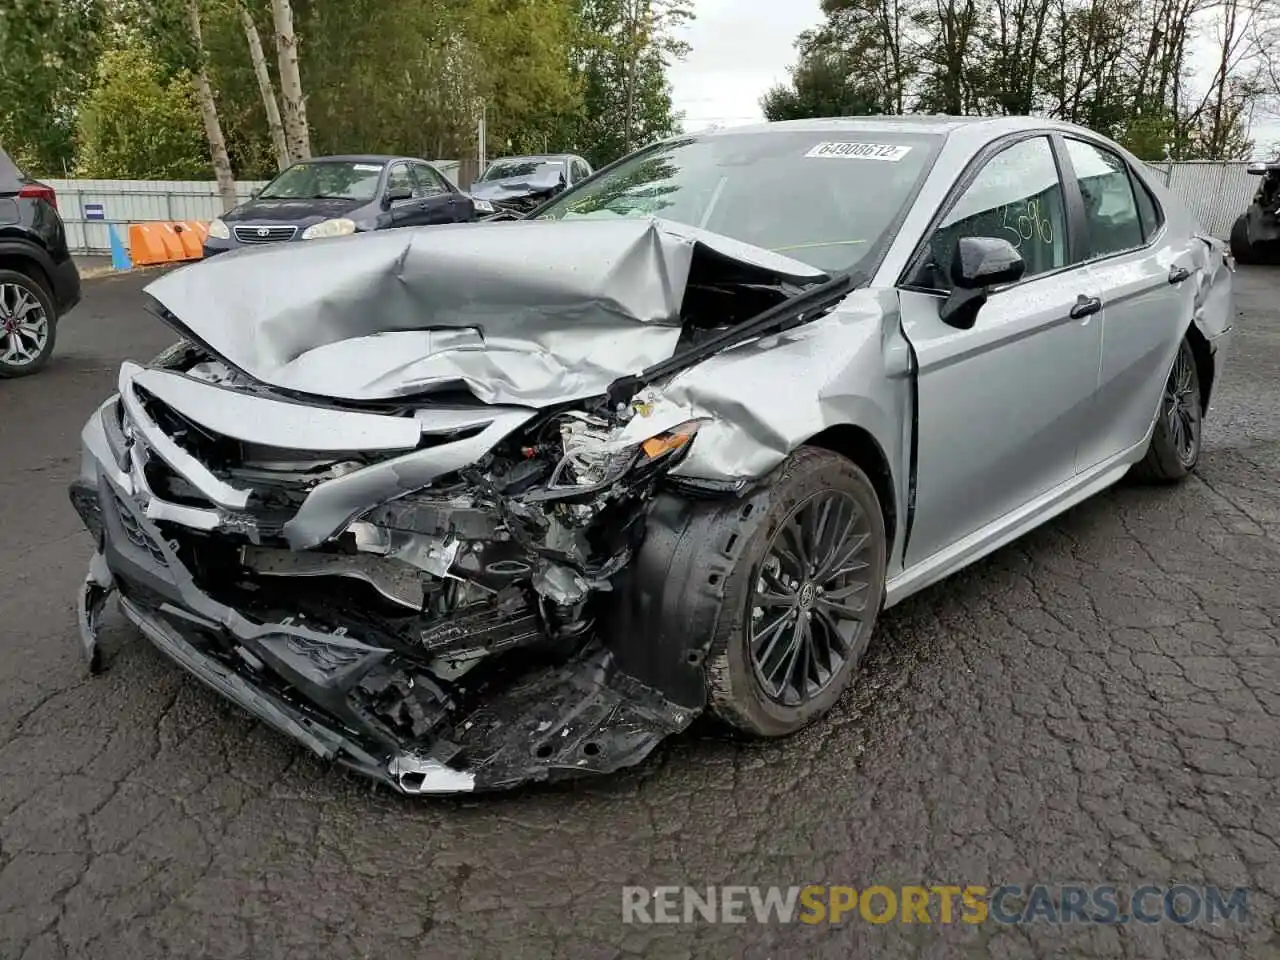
{"x": 739, "y": 694}
{"x": 14, "y": 285}
{"x": 1175, "y": 445}
{"x": 1241, "y": 249}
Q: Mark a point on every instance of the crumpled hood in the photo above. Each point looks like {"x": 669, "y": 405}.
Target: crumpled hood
{"x": 514, "y": 187}
{"x": 529, "y": 313}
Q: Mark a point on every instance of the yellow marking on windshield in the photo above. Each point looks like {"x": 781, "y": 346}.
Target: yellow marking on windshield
{"x": 824, "y": 243}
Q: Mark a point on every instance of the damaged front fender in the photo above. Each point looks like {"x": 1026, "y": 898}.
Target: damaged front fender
{"x": 849, "y": 368}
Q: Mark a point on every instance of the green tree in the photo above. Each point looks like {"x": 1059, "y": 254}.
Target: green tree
{"x": 47, "y": 54}
{"x": 527, "y": 48}
{"x": 824, "y": 84}
{"x": 622, "y": 52}
{"x": 136, "y": 123}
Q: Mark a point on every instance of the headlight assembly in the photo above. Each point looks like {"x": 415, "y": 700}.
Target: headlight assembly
{"x": 338, "y": 227}
{"x": 596, "y": 456}
{"x": 483, "y": 206}
{"x": 218, "y": 229}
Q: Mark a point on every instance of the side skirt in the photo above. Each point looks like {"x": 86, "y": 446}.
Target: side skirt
{"x": 1013, "y": 525}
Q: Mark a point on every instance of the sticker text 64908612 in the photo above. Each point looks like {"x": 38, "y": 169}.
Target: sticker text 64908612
{"x": 860, "y": 151}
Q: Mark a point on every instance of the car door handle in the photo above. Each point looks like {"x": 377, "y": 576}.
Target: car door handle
{"x": 1085, "y": 307}
{"x": 1178, "y": 274}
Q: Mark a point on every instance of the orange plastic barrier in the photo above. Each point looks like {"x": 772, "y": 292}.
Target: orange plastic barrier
{"x": 151, "y": 243}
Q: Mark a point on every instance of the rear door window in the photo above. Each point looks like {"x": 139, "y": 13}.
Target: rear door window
{"x": 430, "y": 183}
{"x": 1110, "y": 209}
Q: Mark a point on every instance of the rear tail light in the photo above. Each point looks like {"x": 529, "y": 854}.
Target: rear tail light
{"x": 38, "y": 191}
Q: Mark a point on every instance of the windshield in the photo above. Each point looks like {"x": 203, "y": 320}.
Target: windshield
{"x": 325, "y": 180}
{"x": 821, "y": 198}
{"x": 505, "y": 169}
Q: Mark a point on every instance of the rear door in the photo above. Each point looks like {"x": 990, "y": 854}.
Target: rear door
{"x": 406, "y": 212}
{"x": 1001, "y": 407}
{"x": 436, "y": 199}
{"x": 1147, "y": 284}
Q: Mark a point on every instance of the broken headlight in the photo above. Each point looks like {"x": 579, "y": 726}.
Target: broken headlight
{"x": 596, "y": 454}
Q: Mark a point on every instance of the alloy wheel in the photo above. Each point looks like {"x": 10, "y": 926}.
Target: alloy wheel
{"x": 809, "y": 605}
{"x": 24, "y": 326}
{"x": 1182, "y": 408}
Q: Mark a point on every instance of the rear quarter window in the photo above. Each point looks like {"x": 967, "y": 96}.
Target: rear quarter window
{"x": 11, "y": 176}
{"x": 1148, "y": 208}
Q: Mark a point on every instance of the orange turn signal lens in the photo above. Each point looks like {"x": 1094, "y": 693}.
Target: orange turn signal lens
{"x": 664, "y": 443}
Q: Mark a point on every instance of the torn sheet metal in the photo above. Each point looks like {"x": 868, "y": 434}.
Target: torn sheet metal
{"x": 847, "y": 367}
{"x": 528, "y": 313}
{"x": 522, "y": 192}
{"x": 275, "y": 423}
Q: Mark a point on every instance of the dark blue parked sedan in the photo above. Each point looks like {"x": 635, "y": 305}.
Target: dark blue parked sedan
{"x": 335, "y": 196}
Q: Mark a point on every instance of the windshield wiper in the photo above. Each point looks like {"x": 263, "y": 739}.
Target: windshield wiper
{"x": 800, "y": 309}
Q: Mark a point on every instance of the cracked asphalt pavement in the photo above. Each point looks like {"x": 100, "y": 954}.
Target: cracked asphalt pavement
{"x": 1098, "y": 703}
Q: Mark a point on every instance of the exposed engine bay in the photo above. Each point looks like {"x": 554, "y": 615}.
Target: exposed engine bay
{"x": 501, "y": 553}
{"x": 408, "y": 579}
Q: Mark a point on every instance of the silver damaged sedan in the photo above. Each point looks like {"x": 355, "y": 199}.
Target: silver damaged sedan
{"x": 469, "y": 506}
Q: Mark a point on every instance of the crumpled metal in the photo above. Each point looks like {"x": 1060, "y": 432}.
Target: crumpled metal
{"x": 530, "y": 313}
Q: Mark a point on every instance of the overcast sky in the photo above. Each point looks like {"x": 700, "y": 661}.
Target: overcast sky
{"x": 743, "y": 47}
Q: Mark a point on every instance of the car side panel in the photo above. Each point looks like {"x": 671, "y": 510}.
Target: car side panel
{"x": 1002, "y": 407}
{"x": 1144, "y": 317}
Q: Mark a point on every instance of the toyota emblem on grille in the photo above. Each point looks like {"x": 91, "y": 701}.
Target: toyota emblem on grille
{"x": 264, "y": 232}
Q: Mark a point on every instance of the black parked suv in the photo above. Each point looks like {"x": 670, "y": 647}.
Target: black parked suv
{"x": 39, "y": 282}
{"x": 1255, "y": 236}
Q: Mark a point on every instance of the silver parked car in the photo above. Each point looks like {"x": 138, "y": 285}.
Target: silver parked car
{"x": 466, "y": 506}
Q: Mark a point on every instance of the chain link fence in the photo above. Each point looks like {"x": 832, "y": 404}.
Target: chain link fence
{"x": 1216, "y": 191}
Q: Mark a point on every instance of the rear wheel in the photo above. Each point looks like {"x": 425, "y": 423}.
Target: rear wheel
{"x": 28, "y": 324}
{"x": 1241, "y": 248}
{"x": 1175, "y": 444}
{"x": 801, "y": 603}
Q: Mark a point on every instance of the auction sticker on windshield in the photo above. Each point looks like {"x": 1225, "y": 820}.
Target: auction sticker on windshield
{"x": 860, "y": 151}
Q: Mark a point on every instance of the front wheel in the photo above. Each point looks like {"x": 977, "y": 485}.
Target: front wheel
{"x": 1175, "y": 444}
{"x": 801, "y": 603}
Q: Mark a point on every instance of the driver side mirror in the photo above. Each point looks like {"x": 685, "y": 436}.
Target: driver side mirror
{"x": 253, "y": 194}
{"x": 1258, "y": 168}
{"x": 978, "y": 264}
{"x": 395, "y": 195}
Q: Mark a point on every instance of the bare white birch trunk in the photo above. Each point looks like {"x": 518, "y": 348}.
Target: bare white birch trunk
{"x": 265, "y": 87}
{"x": 294, "y": 106}
{"x": 209, "y": 113}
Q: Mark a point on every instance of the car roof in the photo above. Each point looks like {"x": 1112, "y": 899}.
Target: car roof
{"x": 366, "y": 158}
{"x": 984, "y": 128}
{"x": 537, "y": 156}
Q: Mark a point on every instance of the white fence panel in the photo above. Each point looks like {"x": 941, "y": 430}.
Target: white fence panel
{"x": 88, "y": 207}
{"x": 122, "y": 202}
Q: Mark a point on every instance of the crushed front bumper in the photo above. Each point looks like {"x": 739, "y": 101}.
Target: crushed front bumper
{"x": 556, "y": 721}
